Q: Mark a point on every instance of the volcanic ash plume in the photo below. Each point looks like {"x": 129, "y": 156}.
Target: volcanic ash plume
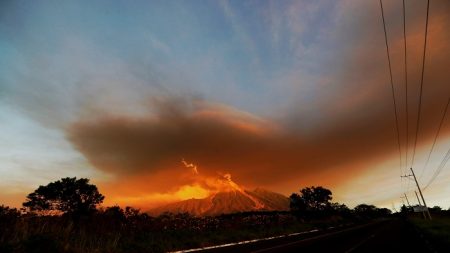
{"x": 226, "y": 197}
{"x": 225, "y": 184}
{"x": 221, "y": 184}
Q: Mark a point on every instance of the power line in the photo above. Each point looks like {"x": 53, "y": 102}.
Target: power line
{"x": 421, "y": 83}
{"x": 435, "y": 138}
{"x": 439, "y": 169}
{"x": 406, "y": 86}
{"x": 392, "y": 85}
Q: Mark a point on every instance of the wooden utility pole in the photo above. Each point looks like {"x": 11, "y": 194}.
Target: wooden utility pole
{"x": 421, "y": 195}
{"x": 418, "y": 200}
{"x": 420, "y": 191}
{"x": 407, "y": 201}
{"x": 417, "y": 196}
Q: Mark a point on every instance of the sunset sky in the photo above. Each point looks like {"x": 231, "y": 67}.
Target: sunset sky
{"x": 276, "y": 94}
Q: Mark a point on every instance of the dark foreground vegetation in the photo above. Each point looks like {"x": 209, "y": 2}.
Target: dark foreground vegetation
{"x": 436, "y": 231}
{"x": 64, "y": 217}
{"x": 126, "y": 230}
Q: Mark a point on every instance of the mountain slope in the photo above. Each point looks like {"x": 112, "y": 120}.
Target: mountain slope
{"x": 232, "y": 201}
{"x": 272, "y": 200}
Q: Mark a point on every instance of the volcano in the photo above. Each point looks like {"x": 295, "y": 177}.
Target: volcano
{"x": 230, "y": 199}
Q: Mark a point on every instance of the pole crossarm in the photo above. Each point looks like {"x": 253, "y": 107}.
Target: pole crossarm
{"x": 408, "y": 176}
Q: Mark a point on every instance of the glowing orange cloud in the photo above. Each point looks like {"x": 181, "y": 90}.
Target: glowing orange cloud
{"x": 349, "y": 129}
{"x": 198, "y": 187}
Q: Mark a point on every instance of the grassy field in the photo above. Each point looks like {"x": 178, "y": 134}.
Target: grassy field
{"x": 437, "y": 231}
{"x": 114, "y": 229}
{"x": 104, "y": 232}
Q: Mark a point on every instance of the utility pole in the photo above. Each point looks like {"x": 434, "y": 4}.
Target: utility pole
{"x": 393, "y": 207}
{"x": 420, "y": 191}
{"x": 417, "y": 196}
{"x": 407, "y": 201}
{"x": 418, "y": 200}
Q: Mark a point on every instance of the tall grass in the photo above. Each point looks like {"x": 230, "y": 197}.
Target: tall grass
{"x": 116, "y": 230}
{"x": 437, "y": 231}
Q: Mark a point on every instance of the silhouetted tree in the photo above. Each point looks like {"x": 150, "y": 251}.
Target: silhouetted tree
{"x": 311, "y": 199}
{"x": 340, "y": 209}
{"x": 7, "y": 212}
{"x": 436, "y": 209}
{"x": 68, "y": 195}
{"x": 371, "y": 211}
{"x": 365, "y": 208}
{"x": 384, "y": 212}
{"x": 8, "y": 216}
{"x": 115, "y": 213}
{"x": 296, "y": 202}
{"x": 404, "y": 210}
{"x": 131, "y": 212}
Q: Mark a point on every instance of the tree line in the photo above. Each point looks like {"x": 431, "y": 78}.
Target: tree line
{"x": 67, "y": 216}
{"x": 75, "y": 197}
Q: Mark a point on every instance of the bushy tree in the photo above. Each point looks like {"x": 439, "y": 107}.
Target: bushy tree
{"x": 311, "y": 199}
{"x": 316, "y": 198}
{"x": 296, "y": 202}
{"x": 9, "y": 218}
{"x": 371, "y": 211}
{"x": 68, "y": 195}
{"x": 365, "y": 208}
{"x": 436, "y": 209}
{"x": 8, "y": 212}
{"x": 340, "y": 209}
